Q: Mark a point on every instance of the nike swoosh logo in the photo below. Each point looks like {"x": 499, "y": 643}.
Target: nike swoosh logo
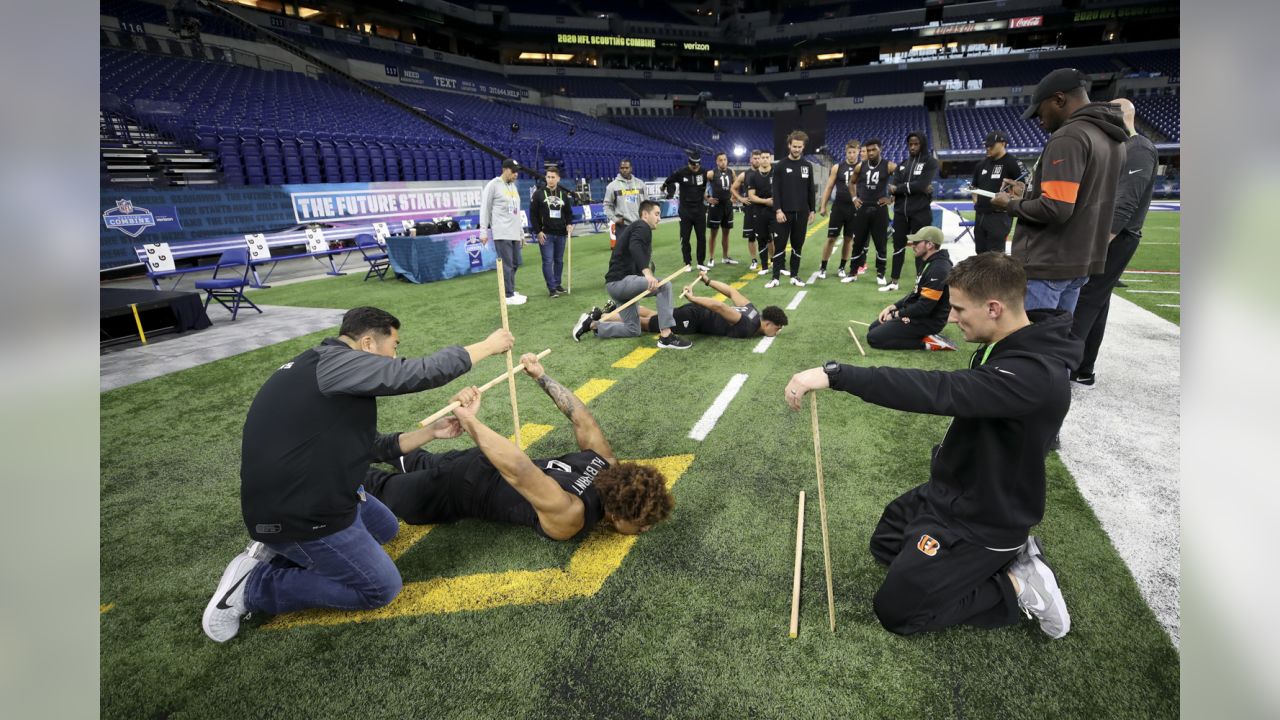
{"x": 1059, "y": 161}
{"x": 222, "y": 604}
{"x": 1040, "y": 604}
{"x": 1135, "y": 171}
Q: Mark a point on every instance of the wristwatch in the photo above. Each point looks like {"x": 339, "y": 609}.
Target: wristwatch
{"x": 831, "y": 368}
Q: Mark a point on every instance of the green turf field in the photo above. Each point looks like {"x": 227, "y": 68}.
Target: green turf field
{"x": 690, "y": 621}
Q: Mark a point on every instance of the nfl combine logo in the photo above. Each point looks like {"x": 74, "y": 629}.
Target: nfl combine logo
{"x": 126, "y": 218}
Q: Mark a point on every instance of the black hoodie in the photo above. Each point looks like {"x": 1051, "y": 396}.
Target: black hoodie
{"x": 986, "y": 480}
{"x": 1064, "y": 219}
{"x": 913, "y": 180}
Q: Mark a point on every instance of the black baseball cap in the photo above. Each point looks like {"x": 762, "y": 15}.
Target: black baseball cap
{"x": 996, "y": 136}
{"x": 1060, "y": 80}
{"x": 510, "y": 164}
{"x": 695, "y": 158}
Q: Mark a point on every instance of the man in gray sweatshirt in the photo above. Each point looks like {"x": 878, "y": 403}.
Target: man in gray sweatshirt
{"x": 500, "y": 210}
{"x": 622, "y": 200}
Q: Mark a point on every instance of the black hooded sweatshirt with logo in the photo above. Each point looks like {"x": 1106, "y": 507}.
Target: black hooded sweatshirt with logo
{"x": 987, "y": 480}
{"x": 913, "y": 180}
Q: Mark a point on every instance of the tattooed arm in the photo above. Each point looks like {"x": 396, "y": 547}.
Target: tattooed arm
{"x": 585, "y": 428}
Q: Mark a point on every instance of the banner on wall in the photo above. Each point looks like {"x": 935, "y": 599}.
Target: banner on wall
{"x": 423, "y": 78}
{"x": 133, "y": 220}
{"x": 383, "y": 201}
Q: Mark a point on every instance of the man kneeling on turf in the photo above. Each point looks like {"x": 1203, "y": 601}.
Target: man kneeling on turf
{"x": 957, "y": 546}
{"x": 561, "y": 498}
{"x": 916, "y": 321}
{"x": 707, "y": 316}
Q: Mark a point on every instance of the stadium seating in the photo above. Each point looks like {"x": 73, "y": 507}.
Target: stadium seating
{"x": 1157, "y": 62}
{"x": 574, "y": 86}
{"x": 968, "y": 127}
{"x": 891, "y": 125}
{"x": 1163, "y": 113}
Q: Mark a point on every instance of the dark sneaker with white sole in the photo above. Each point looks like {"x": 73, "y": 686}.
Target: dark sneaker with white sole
{"x": 227, "y": 607}
{"x": 1040, "y": 596}
{"x": 583, "y": 324}
{"x": 674, "y": 342}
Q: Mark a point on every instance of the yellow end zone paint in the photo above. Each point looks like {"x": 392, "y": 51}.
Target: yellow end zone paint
{"x": 592, "y": 389}
{"x": 407, "y": 537}
{"x": 531, "y": 433}
{"x": 634, "y": 358}
{"x": 595, "y": 560}
{"x": 721, "y": 297}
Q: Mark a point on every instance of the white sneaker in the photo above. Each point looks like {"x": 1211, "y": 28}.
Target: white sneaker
{"x": 772, "y": 283}
{"x": 889, "y": 287}
{"x": 763, "y": 271}
{"x": 822, "y": 274}
{"x": 849, "y": 279}
{"x": 797, "y": 282}
{"x": 787, "y": 273}
{"x": 517, "y": 299}
{"x": 1040, "y": 596}
{"x": 754, "y": 264}
{"x": 842, "y": 273}
{"x": 704, "y": 268}
{"x": 729, "y": 261}
{"x": 711, "y": 262}
{"x": 222, "y": 615}
{"x": 880, "y": 280}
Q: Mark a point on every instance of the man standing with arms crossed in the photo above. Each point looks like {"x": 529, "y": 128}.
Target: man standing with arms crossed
{"x": 738, "y": 187}
{"x": 308, "y": 439}
{"x": 692, "y": 185}
{"x": 551, "y": 215}
{"x": 760, "y": 195}
{"x": 720, "y": 214}
{"x": 991, "y": 225}
{"x": 500, "y": 210}
{"x": 622, "y": 200}
{"x": 1137, "y": 182}
{"x": 871, "y": 200}
{"x": 912, "y": 189}
{"x": 1064, "y": 215}
{"x": 841, "y": 221}
{"x": 794, "y": 196}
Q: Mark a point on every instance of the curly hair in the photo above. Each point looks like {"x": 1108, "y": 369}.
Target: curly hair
{"x": 775, "y": 315}
{"x": 634, "y": 492}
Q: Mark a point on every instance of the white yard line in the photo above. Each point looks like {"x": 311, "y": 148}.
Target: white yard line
{"x": 1156, "y": 292}
{"x": 713, "y": 413}
{"x": 763, "y": 345}
{"x": 1163, "y": 305}
{"x": 1121, "y": 443}
{"x": 1129, "y": 280}
{"x": 795, "y": 301}
{"x": 1151, "y": 272}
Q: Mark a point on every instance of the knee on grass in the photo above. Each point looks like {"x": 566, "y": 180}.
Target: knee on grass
{"x": 893, "y": 617}
{"x": 381, "y": 590}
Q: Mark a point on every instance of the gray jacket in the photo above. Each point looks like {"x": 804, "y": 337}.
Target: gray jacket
{"x": 500, "y": 210}
{"x": 622, "y": 198}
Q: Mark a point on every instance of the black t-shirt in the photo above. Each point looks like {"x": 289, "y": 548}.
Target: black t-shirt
{"x": 989, "y": 175}
{"x": 575, "y": 473}
{"x": 762, "y": 183}
{"x": 742, "y": 189}
{"x": 705, "y": 321}
{"x": 873, "y": 181}
{"x": 721, "y": 180}
{"x": 844, "y": 174}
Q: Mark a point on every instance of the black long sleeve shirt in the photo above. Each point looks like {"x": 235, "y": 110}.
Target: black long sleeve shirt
{"x": 793, "y": 188}
{"x": 692, "y": 186}
{"x": 631, "y": 254}
{"x": 1137, "y": 182}
{"x": 551, "y": 211}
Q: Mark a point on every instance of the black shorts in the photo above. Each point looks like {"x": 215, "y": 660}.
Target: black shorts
{"x": 749, "y": 222}
{"x": 840, "y": 223}
{"x": 721, "y": 215}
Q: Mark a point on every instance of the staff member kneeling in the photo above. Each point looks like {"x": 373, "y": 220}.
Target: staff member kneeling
{"x": 957, "y": 546}
{"x": 916, "y": 321}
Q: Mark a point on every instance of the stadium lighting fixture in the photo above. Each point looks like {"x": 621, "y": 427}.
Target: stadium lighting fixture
{"x": 558, "y": 57}
{"x": 739, "y": 151}
{"x": 831, "y": 56}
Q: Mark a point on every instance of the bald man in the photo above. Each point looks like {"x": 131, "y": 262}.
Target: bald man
{"x": 1137, "y": 181}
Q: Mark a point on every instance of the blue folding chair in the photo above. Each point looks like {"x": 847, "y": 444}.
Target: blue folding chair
{"x": 374, "y": 254}
{"x": 224, "y": 289}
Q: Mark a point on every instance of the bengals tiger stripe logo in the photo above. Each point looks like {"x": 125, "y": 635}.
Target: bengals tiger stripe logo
{"x": 928, "y": 545}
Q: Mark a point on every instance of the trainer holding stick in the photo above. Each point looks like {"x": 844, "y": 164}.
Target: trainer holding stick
{"x": 957, "y": 547}
{"x": 511, "y": 376}
{"x": 629, "y": 279}
{"x": 487, "y": 386}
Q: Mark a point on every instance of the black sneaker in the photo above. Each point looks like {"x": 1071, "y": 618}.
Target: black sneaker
{"x": 596, "y": 313}
{"x": 560, "y": 289}
{"x": 610, "y": 306}
{"x": 554, "y": 293}
{"x": 582, "y": 326}
{"x": 674, "y": 342}
{"x": 1083, "y": 379}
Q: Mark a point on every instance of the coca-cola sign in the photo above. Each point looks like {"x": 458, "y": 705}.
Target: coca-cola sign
{"x": 1026, "y": 22}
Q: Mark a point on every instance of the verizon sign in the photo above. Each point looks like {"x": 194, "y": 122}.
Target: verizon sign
{"x": 1026, "y": 22}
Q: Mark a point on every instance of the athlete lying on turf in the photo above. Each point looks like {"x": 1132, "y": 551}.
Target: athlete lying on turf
{"x": 707, "y": 316}
{"x": 561, "y": 498}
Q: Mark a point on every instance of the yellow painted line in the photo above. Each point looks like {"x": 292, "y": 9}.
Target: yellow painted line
{"x": 105, "y": 608}
{"x": 408, "y": 536}
{"x": 634, "y": 358}
{"x": 531, "y": 433}
{"x": 598, "y": 557}
{"x": 748, "y": 276}
{"x": 593, "y": 387}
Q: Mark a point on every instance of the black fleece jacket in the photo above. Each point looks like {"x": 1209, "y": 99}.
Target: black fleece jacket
{"x": 986, "y": 480}
{"x": 913, "y": 180}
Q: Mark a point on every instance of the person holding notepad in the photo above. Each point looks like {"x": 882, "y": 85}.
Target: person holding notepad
{"x": 991, "y": 225}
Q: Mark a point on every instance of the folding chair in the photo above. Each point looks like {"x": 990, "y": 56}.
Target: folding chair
{"x": 374, "y": 254}
{"x": 229, "y": 288}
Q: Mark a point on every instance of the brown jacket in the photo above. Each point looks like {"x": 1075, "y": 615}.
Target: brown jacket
{"x": 1064, "y": 218}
